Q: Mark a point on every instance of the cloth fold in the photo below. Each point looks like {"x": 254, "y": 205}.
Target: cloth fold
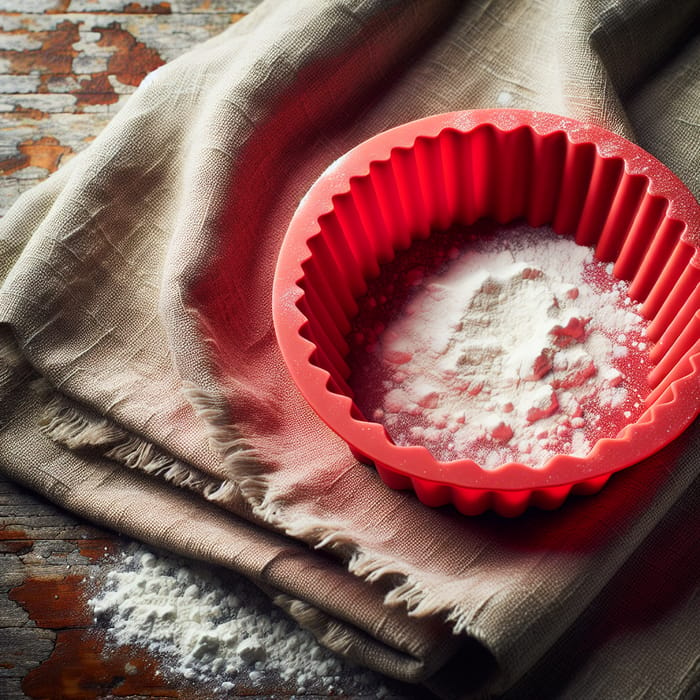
{"x": 142, "y": 387}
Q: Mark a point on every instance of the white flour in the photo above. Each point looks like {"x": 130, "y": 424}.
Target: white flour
{"x": 521, "y": 348}
{"x": 212, "y": 631}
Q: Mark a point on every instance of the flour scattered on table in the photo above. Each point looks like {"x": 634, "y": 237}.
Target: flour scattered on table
{"x": 215, "y": 631}
{"x": 520, "y": 346}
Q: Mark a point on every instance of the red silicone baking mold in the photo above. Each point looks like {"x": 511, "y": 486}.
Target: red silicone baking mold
{"x": 502, "y": 165}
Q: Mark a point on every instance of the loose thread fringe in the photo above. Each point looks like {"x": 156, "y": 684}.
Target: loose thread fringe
{"x": 246, "y": 467}
{"x": 77, "y": 430}
{"x": 243, "y": 464}
{"x": 420, "y": 600}
{"x": 248, "y": 476}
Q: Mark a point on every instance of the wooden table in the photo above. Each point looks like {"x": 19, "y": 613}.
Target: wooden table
{"x": 65, "y": 68}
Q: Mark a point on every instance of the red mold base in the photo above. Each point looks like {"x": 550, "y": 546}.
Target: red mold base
{"x": 503, "y": 165}
{"x": 476, "y": 501}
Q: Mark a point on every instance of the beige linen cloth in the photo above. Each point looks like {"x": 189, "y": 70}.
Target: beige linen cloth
{"x": 142, "y": 387}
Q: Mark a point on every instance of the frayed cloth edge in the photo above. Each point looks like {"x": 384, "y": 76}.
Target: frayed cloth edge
{"x": 244, "y": 465}
{"x": 76, "y": 429}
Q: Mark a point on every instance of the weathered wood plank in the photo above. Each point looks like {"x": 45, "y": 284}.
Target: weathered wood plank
{"x": 50, "y": 645}
{"x": 64, "y": 75}
{"x": 26, "y": 649}
{"x": 79, "y": 45}
{"x": 128, "y": 6}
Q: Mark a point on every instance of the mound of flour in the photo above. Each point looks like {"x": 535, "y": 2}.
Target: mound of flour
{"x": 520, "y": 348}
{"x": 213, "y": 631}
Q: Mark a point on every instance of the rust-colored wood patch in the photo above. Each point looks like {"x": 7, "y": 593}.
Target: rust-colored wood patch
{"x": 80, "y": 667}
{"x": 20, "y": 113}
{"x": 161, "y": 8}
{"x": 53, "y": 61}
{"x": 60, "y": 7}
{"x": 54, "y": 56}
{"x": 14, "y": 542}
{"x": 17, "y": 547}
{"x": 96, "y": 549}
{"x": 130, "y": 8}
{"x": 65, "y": 595}
{"x": 7, "y": 534}
{"x": 133, "y": 60}
{"x": 45, "y": 153}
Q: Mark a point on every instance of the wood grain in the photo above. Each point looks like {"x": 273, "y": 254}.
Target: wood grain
{"x": 50, "y": 645}
{"x": 67, "y": 66}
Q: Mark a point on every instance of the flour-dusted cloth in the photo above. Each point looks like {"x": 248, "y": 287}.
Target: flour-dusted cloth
{"x": 142, "y": 387}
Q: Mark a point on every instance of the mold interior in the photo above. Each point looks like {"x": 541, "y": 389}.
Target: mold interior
{"x": 459, "y": 178}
